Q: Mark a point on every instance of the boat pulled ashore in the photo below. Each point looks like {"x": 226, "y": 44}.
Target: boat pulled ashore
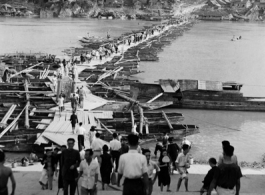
{"x": 198, "y": 94}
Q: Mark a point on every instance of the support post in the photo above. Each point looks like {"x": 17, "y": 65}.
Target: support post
{"x": 27, "y": 104}
{"x": 141, "y": 112}
{"x": 132, "y": 118}
{"x": 59, "y": 88}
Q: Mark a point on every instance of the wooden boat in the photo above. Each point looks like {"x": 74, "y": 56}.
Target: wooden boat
{"x": 157, "y": 130}
{"x": 154, "y": 117}
{"x": 196, "y": 94}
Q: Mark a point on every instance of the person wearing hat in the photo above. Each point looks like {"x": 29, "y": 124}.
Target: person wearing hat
{"x": 134, "y": 171}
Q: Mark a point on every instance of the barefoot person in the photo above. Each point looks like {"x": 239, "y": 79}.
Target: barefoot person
{"x": 134, "y": 171}
{"x": 182, "y": 164}
{"x": 5, "y": 174}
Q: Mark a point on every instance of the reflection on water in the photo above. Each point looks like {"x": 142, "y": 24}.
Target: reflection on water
{"x": 205, "y": 52}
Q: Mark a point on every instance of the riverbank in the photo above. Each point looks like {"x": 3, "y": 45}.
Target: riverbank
{"x": 27, "y": 184}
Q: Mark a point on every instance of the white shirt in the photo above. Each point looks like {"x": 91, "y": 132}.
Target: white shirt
{"x": 97, "y": 144}
{"x": 89, "y": 173}
{"x": 61, "y": 102}
{"x": 132, "y": 165}
{"x": 115, "y": 145}
{"x": 183, "y": 159}
{"x": 81, "y": 130}
{"x": 151, "y": 167}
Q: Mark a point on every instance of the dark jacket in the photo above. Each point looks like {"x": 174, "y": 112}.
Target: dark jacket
{"x": 74, "y": 119}
{"x": 209, "y": 177}
{"x": 69, "y": 158}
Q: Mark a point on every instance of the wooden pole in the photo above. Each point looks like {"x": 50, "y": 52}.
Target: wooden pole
{"x": 27, "y": 104}
{"x": 168, "y": 122}
{"x": 59, "y": 88}
{"x": 141, "y": 119}
{"x": 132, "y": 118}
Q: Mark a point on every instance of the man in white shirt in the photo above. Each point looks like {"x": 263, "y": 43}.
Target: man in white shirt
{"x": 115, "y": 147}
{"x": 97, "y": 146}
{"x": 81, "y": 136}
{"x": 89, "y": 170}
{"x": 133, "y": 166}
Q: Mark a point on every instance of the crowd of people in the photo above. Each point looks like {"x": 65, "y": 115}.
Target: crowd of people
{"x": 126, "y": 160}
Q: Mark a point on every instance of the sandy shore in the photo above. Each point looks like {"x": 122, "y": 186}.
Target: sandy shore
{"x": 27, "y": 182}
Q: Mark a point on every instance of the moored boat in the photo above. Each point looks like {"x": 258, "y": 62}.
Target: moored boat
{"x": 197, "y": 94}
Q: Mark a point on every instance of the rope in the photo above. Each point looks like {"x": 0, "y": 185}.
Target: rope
{"x": 213, "y": 124}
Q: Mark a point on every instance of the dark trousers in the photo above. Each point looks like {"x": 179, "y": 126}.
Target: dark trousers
{"x": 81, "y": 140}
{"x": 66, "y": 184}
{"x": 115, "y": 157}
{"x": 133, "y": 187}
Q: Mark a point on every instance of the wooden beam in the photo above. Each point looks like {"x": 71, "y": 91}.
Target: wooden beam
{"x": 168, "y": 122}
{"x": 153, "y": 99}
{"x": 17, "y": 91}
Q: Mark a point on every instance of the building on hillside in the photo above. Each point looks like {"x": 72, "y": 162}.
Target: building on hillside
{"x": 241, "y": 4}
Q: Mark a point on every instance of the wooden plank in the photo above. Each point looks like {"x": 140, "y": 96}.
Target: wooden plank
{"x": 168, "y": 122}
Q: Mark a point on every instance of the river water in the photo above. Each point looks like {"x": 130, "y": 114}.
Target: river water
{"x": 205, "y": 52}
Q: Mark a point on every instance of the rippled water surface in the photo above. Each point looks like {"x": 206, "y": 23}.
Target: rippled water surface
{"x": 205, "y": 52}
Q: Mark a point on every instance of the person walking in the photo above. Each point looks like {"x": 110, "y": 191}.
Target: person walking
{"x": 164, "y": 174}
{"x": 61, "y": 104}
{"x": 89, "y": 171}
{"x": 82, "y": 95}
{"x": 133, "y": 166}
{"x": 5, "y": 174}
{"x": 124, "y": 146}
{"x": 106, "y": 165}
{"x": 73, "y": 120}
{"x": 74, "y": 102}
{"x": 227, "y": 177}
{"x": 81, "y": 136}
{"x": 151, "y": 165}
{"x": 70, "y": 161}
{"x": 92, "y": 135}
{"x": 172, "y": 151}
{"x": 60, "y": 178}
{"x": 50, "y": 165}
{"x": 97, "y": 146}
{"x": 115, "y": 147}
